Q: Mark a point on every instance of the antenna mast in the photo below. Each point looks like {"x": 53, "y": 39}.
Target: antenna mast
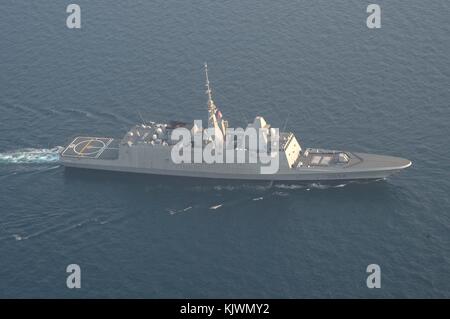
{"x": 208, "y": 89}
{"x": 212, "y": 121}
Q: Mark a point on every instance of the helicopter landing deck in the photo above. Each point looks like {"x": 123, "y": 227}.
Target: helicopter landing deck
{"x": 92, "y": 147}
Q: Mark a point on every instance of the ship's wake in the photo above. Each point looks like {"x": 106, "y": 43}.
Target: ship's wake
{"x": 31, "y": 155}
{"x": 310, "y": 186}
{"x": 261, "y": 188}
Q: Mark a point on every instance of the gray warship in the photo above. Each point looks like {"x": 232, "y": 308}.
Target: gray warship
{"x": 147, "y": 149}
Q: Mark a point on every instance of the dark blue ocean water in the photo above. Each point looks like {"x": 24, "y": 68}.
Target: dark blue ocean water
{"x": 315, "y": 63}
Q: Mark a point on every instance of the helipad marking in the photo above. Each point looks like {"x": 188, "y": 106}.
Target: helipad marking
{"x": 82, "y": 150}
{"x": 104, "y": 148}
{"x": 91, "y": 147}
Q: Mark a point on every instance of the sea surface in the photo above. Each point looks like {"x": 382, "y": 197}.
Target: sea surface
{"x": 312, "y": 66}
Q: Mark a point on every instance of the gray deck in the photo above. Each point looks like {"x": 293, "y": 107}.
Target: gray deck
{"x": 92, "y": 147}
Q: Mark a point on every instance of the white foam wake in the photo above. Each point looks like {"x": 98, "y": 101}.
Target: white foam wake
{"x": 31, "y": 155}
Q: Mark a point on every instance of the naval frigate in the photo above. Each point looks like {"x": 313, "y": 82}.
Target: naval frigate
{"x": 147, "y": 148}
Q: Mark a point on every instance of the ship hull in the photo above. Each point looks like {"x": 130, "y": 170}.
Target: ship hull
{"x": 297, "y": 177}
{"x": 107, "y": 154}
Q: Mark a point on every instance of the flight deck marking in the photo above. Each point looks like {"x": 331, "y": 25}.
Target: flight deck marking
{"x": 104, "y": 148}
{"x": 82, "y": 150}
{"x": 96, "y": 146}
